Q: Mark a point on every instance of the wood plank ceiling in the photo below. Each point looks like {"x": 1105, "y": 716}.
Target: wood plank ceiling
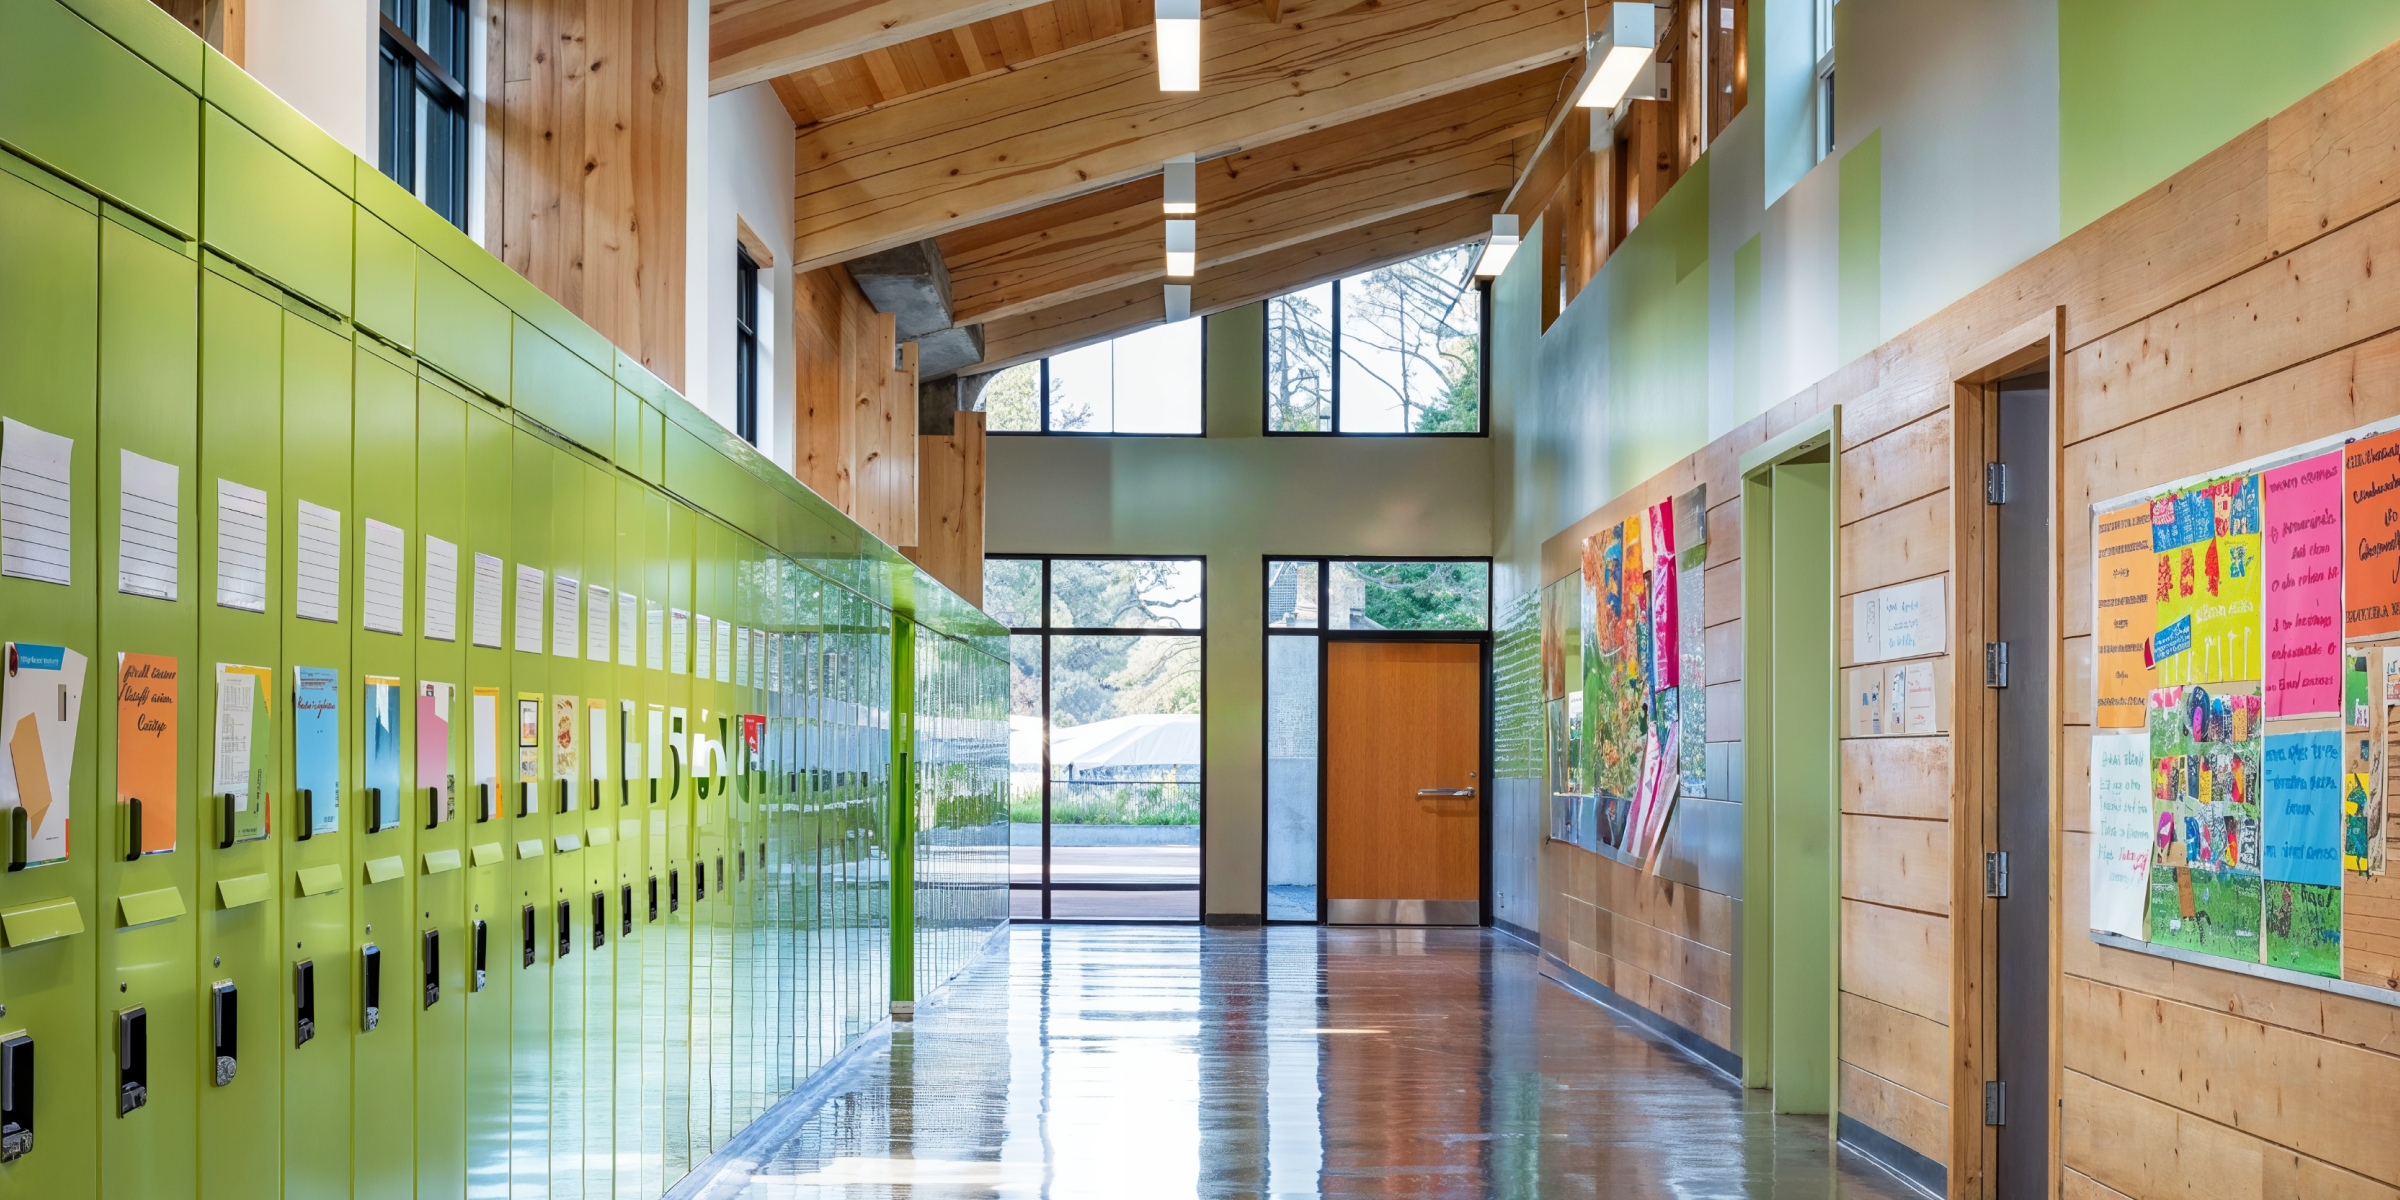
{"x": 1027, "y": 138}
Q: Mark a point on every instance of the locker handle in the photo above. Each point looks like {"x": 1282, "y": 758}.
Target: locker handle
{"x": 483, "y": 803}
{"x": 133, "y": 832}
{"x": 599, "y": 919}
{"x": 226, "y": 842}
{"x": 374, "y": 810}
{"x": 566, "y": 928}
{"x": 566, "y": 796}
{"x": 624, "y": 792}
{"x": 433, "y": 808}
{"x": 596, "y": 793}
{"x": 370, "y": 969}
{"x": 432, "y": 953}
{"x": 481, "y": 953}
{"x": 528, "y": 802}
{"x": 304, "y": 1002}
{"x": 16, "y": 1097}
{"x": 531, "y": 933}
{"x": 654, "y": 899}
{"x": 20, "y": 837}
{"x": 133, "y": 1059}
{"x": 308, "y": 816}
{"x": 675, "y": 767}
{"x": 225, "y": 1009}
{"x": 625, "y": 911}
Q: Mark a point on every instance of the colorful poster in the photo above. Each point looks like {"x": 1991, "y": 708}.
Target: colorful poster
{"x": 566, "y": 741}
{"x": 2303, "y": 832}
{"x": 382, "y": 712}
{"x": 317, "y": 748}
{"x": 2302, "y": 565}
{"x": 2206, "y": 589}
{"x": 530, "y": 733}
{"x": 2371, "y": 535}
{"x": 483, "y": 751}
{"x": 2304, "y": 928}
{"x": 40, "y": 710}
{"x": 2205, "y": 762}
{"x": 2123, "y": 575}
{"x": 433, "y": 748}
{"x": 2364, "y": 742}
{"x": 243, "y": 749}
{"x": 2121, "y": 833}
{"x": 1665, "y": 629}
{"x": 146, "y": 748}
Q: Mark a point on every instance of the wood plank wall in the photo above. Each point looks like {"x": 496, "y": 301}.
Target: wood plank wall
{"x": 950, "y": 506}
{"x": 588, "y": 197}
{"x": 2230, "y": 311}
{"x": 854, "y": 430}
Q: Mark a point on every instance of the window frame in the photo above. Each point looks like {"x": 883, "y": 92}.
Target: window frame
{"x": 1042, "y": 409}
{"x": 745, "y": 345}
{"x": 1045, "y": 631}
{"x": 414, "y": 77}
{"x": 1483, "y": 380}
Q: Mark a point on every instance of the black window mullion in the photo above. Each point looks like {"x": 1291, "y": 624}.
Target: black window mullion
{"x": 1337, "y": 356}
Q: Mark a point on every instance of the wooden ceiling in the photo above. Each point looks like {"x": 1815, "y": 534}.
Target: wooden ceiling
{"x": 1026, "y": 139}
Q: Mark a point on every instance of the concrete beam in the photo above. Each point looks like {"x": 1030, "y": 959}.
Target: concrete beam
{"x": 911, "y": 283}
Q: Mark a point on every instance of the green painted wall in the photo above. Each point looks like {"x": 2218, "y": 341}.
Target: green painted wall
{"x": 1861, "y": 247}
{"x": 2145, "y": 87}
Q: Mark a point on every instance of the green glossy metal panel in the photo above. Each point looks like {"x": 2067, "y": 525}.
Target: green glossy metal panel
{"x": 241, "y": 96}
{"x": 385, "y": 283}
{"x": 264, "y": 210}
{"x": 384, "y": 911}
{"x": 75, "y": 99}
{"x": 157, "y": 38}
{"x": 712, "y": 851}
{"x": 491, "y": 867}
{"x": 599, "y": 800}
{"x": 318, "y": 371}
{"x": 686, "y": 1114}
{"x": 149, "y": 405}
{"x": 461, "y": 330}
{"x": 561, "y": 391}
{"x": 443, "y": 849}
{"x": 241, "y": 404}
{"x": 570, "y": 869}
{"x": 49, "y": 327}
{"x": 535, "y": 962}
{"x": 639, "y": 951}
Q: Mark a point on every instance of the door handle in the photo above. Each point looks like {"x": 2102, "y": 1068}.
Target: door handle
{"x": 308, "y": 816}
{"x": 133, "y": 834}
{"x": 1445, "y": 791}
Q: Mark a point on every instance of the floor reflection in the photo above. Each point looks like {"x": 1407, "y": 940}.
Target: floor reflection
{"x": 1292, "y": 1061}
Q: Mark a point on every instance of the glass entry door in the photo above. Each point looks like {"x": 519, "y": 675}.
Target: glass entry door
{"x": 1104, "y": 735}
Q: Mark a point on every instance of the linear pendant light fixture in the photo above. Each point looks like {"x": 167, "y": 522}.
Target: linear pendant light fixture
{"x": 1182, "y": 249}
{"x": 1618, "y": 56}
{"x": 1183, "y": 186}
{"x": 1178, "y": 24}
{"x": 1501, "y": 247}
{"x": 1179, "y": 302}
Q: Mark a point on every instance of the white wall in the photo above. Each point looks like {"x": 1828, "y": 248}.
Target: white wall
{"x": 319, "y": 56}
{"x": 749, "y": 165}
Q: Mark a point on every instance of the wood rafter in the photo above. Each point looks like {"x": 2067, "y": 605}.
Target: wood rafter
{"x": 1021, "y": 339}
{"x": 752, "y": 41}
{"x": 1006, "y": 142}
{"x": 1277, "y": 197}
{"x": 854, "y": 77}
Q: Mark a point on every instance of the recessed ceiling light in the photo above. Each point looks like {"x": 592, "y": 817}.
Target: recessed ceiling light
{"x": 1618, "y": 55}
{"x": 1179, "y": 302}
{"x": 1182, "y": 249}
{"x": 1178, "y": 23}
{"x": 1501, "y": 247}
{"x": 1183, "y": 185}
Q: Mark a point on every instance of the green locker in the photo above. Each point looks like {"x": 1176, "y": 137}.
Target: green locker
{"x": 444, "y": 944}
{"x": 748, "y": 960}
{"x": 564, "y": 722}
{"x": 628, "y": 804}
{"x": 50, "y": 915}
{"x": 607, "y": 905}
{"x": 316, "y": 979}
{"x": 686, "y": 1114}
{"x": 149, "y": 376}
{"x": 533, "y": 915}
{"x": 491, "y": 951}
{"x": 239, "y": 909}
{"x": 382, "y": 670}
{"x": 711, "y": 979}
{"x": 72, "y": 97}
{"x": 264, "y": 210}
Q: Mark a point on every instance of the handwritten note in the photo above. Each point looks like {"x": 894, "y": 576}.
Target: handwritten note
{"x": 149, "y": 528}
{"x": 2122, "y": 566}
{"x": 2121, "y": 833}
{"x": 2303, "y": 569}
{"x": 2302, "y": 834}
{"x": 386, "y": 577}
{"x": 319, "y": 594}
{"x": 487, "y": 601}
{"x": 530, "y": 584}
{"x": 2371, "y": 515}
{"x": 37, "y": 503}
{"x": 317, "y": 747}
{"x": 146, "y": 745}
{"x": 241, "y": 547}
{"x": 566, "y": 615}
{"x": 441, "y": 590}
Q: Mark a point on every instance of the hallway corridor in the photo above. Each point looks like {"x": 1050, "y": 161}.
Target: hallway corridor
{"x": 1285, "y": 1062}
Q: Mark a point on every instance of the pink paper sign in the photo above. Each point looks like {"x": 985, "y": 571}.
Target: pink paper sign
{"x": 2303, "y": 552}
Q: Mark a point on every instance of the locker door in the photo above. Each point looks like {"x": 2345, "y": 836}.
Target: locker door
{"x": 391, "y": 810}
{"x": 532, "y": 912}
{"x": 636, "y": 1098}
{"x": 49, "y": 326}
{"x": 563, "y": 721}
{"x": 319, "y": 870}
{"x": 714, "y": 1013}
{"x": 748, "y": 956}
{"x": 149, "y": 405}
{"x": 441, "y": 867}
{"x": 491, "y": 802}
{"x": 685, "y": 1090}
{"x": 602, "y": 848}
{"x": 238, "y": 909}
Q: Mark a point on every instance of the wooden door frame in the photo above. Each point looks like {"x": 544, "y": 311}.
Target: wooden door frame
{"x": 1482, "y": 639}
{"x": 1974, "y": 785}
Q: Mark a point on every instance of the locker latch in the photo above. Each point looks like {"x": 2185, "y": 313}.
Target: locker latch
{"x": 308, "y": 816}
{"x": 374, "y": 810}
{"x": 480, "y": 951}
{"x": 432, "y": 942}
{"x": 531, "y": 933}
{"x": 133, "y": 1059}
{"x": 566, "y": 928}
{"x": 654, "y": 898}
{"x": 224, "y": 1003}
{"x": 625, "y": 911}
{"x": 599, "y": 919}
{"x": 370, "y": 974}
{"x": 304, "y": 1002}
{"x": 16, "y": 1097}
{"x": 1995, "y": 874}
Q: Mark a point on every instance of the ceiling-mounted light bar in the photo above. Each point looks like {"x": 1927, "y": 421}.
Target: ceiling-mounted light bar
{"x": 1183, "y": 255}
{"x": 1179, "y": 302}
{"x": 1178, "y": 24}
{"x": 1618, "y": 56}
{"x": 1501, "y": 247}
{"x": 1183, "y": 185}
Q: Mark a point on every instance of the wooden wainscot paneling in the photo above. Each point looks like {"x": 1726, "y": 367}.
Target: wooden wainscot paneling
{"x": 950, "y": 506}
{"x": 855, "y": 403}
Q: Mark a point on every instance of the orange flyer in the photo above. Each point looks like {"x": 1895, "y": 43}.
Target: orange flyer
{"x": 2122, "y": 566}
{"x": 2371, "y": 535}
{"x": 146, "y": 744}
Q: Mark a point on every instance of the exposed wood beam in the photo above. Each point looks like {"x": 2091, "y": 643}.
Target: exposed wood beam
{"x": 1112, "y": 314}
{"x": 1255, "y": 202}
{"x": 1293, "y": 12}
{"x": 753, "y": 41}
{"x": 1093, "y": 117}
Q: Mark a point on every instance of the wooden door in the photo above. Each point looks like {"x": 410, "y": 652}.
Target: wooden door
{"x": 1403, "y": 800}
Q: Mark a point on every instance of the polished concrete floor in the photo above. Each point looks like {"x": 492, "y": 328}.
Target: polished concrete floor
{"x": 1113, "y": 1061}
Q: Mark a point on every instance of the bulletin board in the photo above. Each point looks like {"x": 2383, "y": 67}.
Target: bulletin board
{"x": 2246, "y": 712}
{"x": 1625, "y": 681}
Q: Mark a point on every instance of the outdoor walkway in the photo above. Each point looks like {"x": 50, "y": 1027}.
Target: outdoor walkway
{"x": 1111, "y": 1061}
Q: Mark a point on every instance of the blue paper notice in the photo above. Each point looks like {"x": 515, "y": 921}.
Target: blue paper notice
{"x": 2302, "y": 835}
{"x": 317, "y": 747}
{"x": 383, "y": 750}
{"x": 2171, "y": 641}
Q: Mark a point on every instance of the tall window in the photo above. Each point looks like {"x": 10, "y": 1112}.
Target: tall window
{"x": 1398, "y": 349}
{"x": 1823, "y": 25}
{"x": 1148, "y": 382}
{"x": 1104, "y": 735}
{"x": 422, "y": 90}
{"x": 745, "y": 346}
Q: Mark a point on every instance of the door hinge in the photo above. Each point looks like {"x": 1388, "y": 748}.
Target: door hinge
{"x": 1995, "y": 1102}
{"x": 1995, "y": 483}
{"x": 1995, "y": 874}
{"x": 1995, "y": 664}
